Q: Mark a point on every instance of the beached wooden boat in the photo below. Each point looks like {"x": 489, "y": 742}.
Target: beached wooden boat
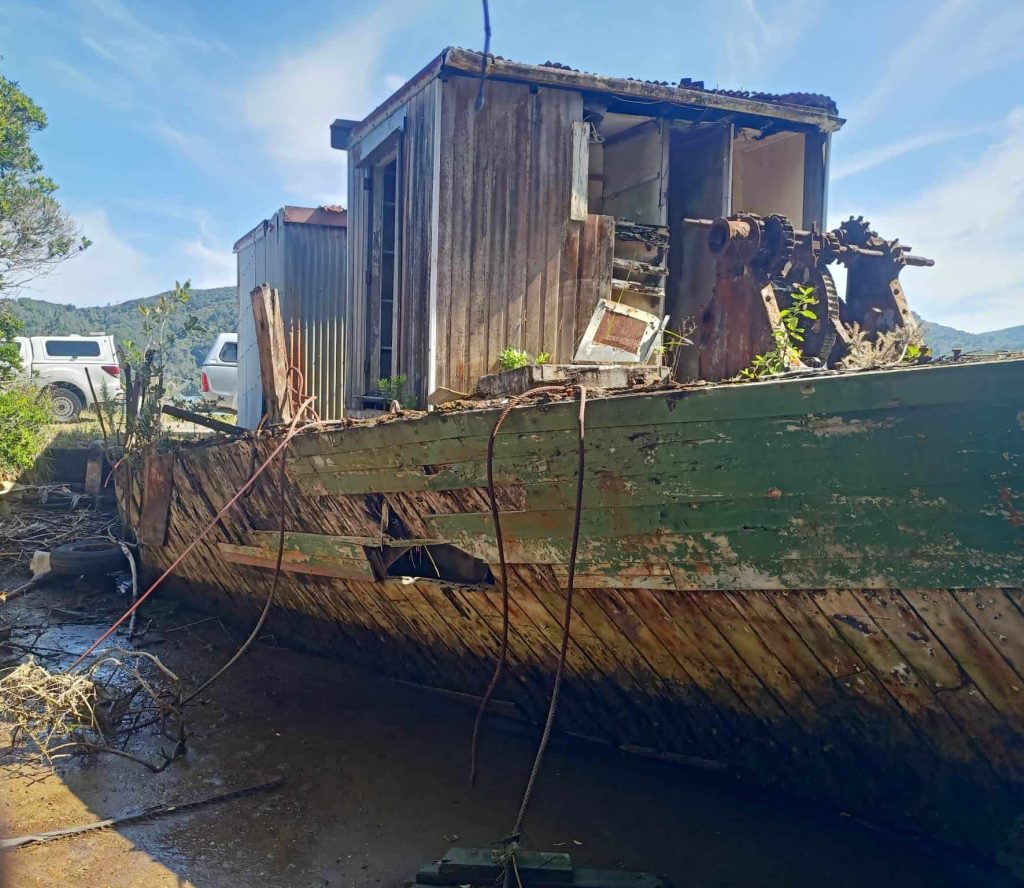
{"x": 812, "y": 582}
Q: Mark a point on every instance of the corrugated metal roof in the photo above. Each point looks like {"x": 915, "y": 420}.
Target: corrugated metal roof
{"x": 799, "y": 99}
{"x": 798, "y": 107}
{"x": 330, "y": 215}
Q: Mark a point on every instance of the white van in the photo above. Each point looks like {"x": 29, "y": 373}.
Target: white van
{"x": 59, "y": 364}
{"x": 218, "y": 378}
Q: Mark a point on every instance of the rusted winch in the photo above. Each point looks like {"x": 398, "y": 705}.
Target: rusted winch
{"x": 759, "y": 262}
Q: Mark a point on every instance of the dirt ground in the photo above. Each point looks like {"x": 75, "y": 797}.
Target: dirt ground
{"x": 375, "y": 785}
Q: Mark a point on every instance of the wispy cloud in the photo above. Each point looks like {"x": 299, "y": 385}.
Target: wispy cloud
{"x": 967, "y": 222}
{"x": 874, "y": 157}
{"x": 208, "y": 266}
{"x": 755, "y": 42}
{"x": 291, "y": 106}
{"x": 949, "y": 44}
{"x": 111, "y": 270}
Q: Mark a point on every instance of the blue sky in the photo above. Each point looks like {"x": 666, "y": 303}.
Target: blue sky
{"x": 177, "y": 126}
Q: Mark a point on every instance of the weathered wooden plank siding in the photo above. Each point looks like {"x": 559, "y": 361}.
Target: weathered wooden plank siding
{"x": 731, "y": 640}
{"x": 509, "y": 254}
{"x": 413, "y": 261}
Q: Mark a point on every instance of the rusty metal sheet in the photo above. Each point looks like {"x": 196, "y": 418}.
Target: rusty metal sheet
{"x": 158, "y": 481}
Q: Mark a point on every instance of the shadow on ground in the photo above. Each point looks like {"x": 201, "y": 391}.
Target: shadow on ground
{"x": 376, "y": 785}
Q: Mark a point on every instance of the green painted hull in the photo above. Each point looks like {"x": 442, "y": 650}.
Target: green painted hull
{"x": 814, "y": 583}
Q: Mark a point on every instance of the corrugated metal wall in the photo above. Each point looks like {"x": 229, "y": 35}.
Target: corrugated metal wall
{"x": 313, "y": 305}
{"x": 306, "y": 263}
{"x": 259, "y": 261}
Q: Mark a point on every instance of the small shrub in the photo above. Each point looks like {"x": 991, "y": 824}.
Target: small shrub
{"x": 513, "y": 359}
{"x": 788, "y": 338}
{"x": 393, "y": 387}
{"x": 902, "y": 345}
{"x": 24, "y": 413}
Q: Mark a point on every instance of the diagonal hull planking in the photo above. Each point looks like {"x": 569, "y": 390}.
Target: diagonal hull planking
{"x": 813, "y": 583}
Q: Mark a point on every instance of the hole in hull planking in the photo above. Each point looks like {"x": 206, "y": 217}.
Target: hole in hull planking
{"x": 438, "y": 561}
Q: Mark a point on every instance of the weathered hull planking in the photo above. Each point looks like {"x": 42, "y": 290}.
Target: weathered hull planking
{"x": 814, "y": 583}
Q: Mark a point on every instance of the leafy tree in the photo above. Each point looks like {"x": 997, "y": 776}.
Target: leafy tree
{"x": 35, "y": 232}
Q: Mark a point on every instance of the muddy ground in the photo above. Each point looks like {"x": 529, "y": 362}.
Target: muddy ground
{"x": 375, "y": 785}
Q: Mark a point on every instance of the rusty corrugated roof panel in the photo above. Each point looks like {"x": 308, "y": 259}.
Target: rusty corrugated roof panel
{"x": 325, "y": 215}
{"x": 797, "y": 107}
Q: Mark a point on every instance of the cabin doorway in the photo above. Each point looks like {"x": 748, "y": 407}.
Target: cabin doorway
{"x": 381, "y": 370}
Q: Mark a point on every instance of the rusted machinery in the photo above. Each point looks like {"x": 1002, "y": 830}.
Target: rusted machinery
{"x": 759, "y": 262}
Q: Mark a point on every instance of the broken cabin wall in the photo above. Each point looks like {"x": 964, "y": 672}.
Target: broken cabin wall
{"x": 768, "y": 175}
{"x": 415, "y": 124}
{"x": 508, "y": 256}
{"x": 699, "y": 186}
{"x": 634, "y": 173}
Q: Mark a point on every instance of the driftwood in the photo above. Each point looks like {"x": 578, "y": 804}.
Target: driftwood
{"x": 146, "y": 814}
{"x": 266, "y": 313}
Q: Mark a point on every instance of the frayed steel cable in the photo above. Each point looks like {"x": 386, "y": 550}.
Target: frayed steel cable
{"x": 511, "y": 842}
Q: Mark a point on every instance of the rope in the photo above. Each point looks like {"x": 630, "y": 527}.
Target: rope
{"x": 292, "y": 431}
{"x": 563, "y": 650}
{"x": 499, "y": 666}
{"x": 512, "y": 841}
{"x": 282, "y": 482}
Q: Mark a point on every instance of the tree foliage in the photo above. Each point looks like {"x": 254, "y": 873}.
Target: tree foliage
{"x": 35, "y": 232}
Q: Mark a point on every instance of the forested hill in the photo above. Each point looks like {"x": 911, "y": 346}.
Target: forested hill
{"x": 216, "y": 309}
{"x": 943, "y": 340}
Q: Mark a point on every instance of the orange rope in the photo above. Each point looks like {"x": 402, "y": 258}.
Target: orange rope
{"x": 292, "y": 431}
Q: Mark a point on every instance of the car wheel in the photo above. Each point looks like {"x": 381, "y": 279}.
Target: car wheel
{"x": 66, "y": 405}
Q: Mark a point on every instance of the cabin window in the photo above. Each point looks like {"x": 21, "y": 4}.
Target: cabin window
{"x": 383, "y": 284}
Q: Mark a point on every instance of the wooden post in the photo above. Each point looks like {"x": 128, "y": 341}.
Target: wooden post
{"x": 266, "y": 313}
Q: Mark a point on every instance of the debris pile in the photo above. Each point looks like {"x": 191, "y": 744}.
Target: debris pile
{"x": 98, "y": 709}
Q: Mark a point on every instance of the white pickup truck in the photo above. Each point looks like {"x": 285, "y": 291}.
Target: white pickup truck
{"x": 218, "y": 378}
{"x": 58, "y": 364}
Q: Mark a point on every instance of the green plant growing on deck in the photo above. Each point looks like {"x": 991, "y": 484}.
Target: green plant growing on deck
{"x": 788, "y": 337}
{"x": 394, "y": 387}
{"x": 163, "y": 326}
{"x": 903, "y": 345}
{"x": 514, "y": 358}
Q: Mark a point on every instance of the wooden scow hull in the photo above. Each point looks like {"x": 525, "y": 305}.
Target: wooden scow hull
{"x": 814, "y": 583}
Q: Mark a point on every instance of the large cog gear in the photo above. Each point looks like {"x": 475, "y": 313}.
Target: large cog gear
{"x": 820, "y": 333}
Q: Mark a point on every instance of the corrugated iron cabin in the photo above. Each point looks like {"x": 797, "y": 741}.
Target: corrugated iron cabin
{"x": 480, "y": 225}
{"x": 300, "y": 252}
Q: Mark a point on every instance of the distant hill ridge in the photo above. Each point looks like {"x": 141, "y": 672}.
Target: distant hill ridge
{"x": 943, "y": 340}
{"x": 216, "y": 308}
{"x": 217, "y": 311}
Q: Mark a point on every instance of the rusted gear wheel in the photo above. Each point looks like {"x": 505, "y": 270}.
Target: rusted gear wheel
{"x": 856, "y": 232}
{"x": 779, "y": 240}
{"x": 820, "y": 333}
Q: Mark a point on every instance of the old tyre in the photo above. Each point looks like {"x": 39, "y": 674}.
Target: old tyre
{"x": 92, "y": 555}
{"x": 66, "y": 404}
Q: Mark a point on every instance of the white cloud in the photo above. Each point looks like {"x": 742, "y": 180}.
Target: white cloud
{"x": 967, "y": 223}
{"x": 761, "y": 43}
{"x": 944, "y": 46}
{"x": 208, "y": 266}
{"x": 843, "y": 167}
{"x": 111, "y": 270}
{"x": 291, "y": 106}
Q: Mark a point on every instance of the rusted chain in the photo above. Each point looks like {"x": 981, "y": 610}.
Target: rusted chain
{"x": 499, "y": 666}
